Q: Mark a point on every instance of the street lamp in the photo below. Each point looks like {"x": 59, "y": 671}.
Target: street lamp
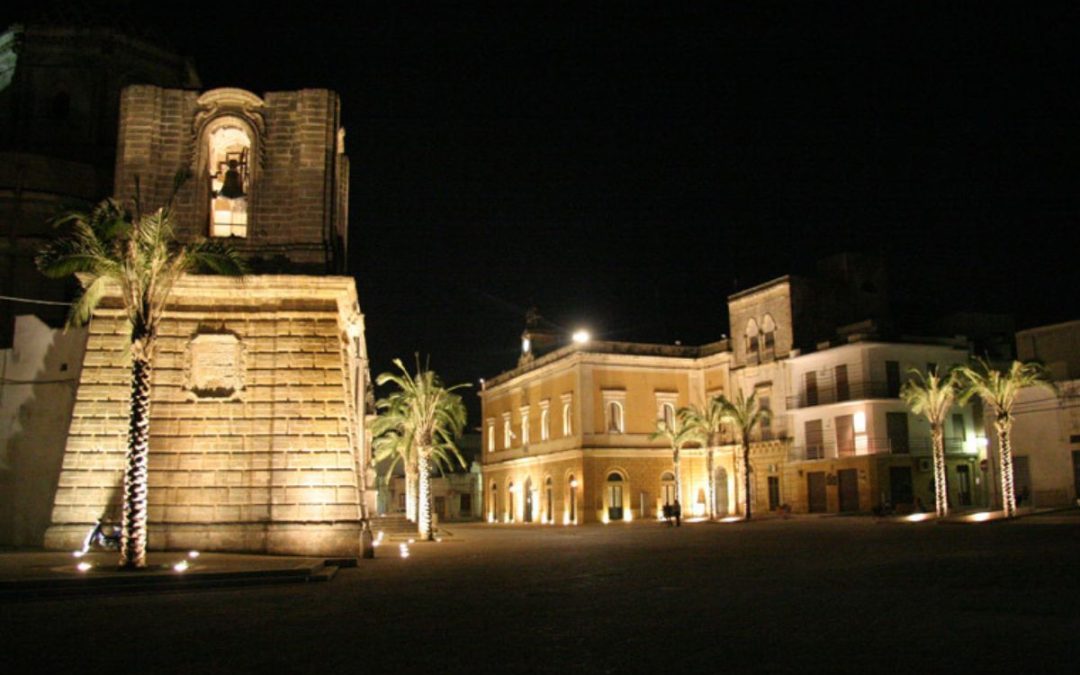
{"x": 581, "y": 336}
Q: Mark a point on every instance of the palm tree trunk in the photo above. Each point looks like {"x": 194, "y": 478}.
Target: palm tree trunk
{"x": 1008, "y": 485}
{"x": 746, "y": 474}
{"x": 410, "y": 494}
{"x": 424, "y": 520}
{"x": 711, "y": 483}
{"x": 941, "y": 487}
{"x": 133, "y": 524}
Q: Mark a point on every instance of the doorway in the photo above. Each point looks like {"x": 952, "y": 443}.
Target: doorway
{"x": 1022, "y": 481}
{"x": 615, "y": 496}
{"x": 815, "y": 490}
{"x": 845, "y": 436}
{"x": 774, "y": 493}
{"x": 527, "y": 516}
{"x": 963, "y": 485}
{"x": 900, "y": 487}
{"x": 848, "y": 480}
{"x": 720, "y": 488}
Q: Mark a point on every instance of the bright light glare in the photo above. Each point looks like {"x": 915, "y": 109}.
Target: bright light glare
{"x": 980, "y": 517}
{"x": 918, "y": 517}
{"x": 581, "y": 336}
{"x": 193, "y": 554}
{"x": 181, "y": 566}
{"x": 730, "y": 519}
{"x": 78, "y": 554}
{"x": 83, "y": 566}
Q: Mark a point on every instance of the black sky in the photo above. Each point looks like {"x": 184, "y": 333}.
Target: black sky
{"x": 627, "y": 165}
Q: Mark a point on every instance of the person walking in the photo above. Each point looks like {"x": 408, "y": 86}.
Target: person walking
{"x": 676, "y": 510}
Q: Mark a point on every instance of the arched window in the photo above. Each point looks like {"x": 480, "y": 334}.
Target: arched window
{"x": 510, "y": 502}
{"x": 545, "y": 424}
{"x": 491, "y": 436}
{"x": 567, "y": 420}
{"x": 768, "y": 337}
{"x": 508, "y": 432}
{"x": 493, "y": 500}
{"x": 229, "y": 165}
{"x": 752, "y": 339}
{"x": 571, "y": 495}
{"x": 615, "y": 422}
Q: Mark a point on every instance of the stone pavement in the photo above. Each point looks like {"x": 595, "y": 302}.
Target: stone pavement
{"x": 849, "y": 595}
{"x": 38, "y": 574}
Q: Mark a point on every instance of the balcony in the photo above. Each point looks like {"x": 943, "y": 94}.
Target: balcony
{"x": 838, "y": 393}
{"x": 861, "y": 446}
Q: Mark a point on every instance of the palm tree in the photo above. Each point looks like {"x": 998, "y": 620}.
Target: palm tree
{"x": 933, "y": 396}
{"x": 108, "y": 247}
{"x": 425, "y": 418}
{"x": 744, "y": 414}
{"x": 708, "y": 422}
{"x": 999, "y": 390}
{"x": 677, "y": 434}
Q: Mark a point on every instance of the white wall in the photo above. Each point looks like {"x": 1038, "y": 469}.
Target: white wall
{"x": 38, "y": 378}
{"x": 1042, "y": 431}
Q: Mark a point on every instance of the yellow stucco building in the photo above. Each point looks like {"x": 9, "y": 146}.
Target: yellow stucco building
{"x": 566, "y": 435}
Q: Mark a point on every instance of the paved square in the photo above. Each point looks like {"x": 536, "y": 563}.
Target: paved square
{"x": 819, "y": 595}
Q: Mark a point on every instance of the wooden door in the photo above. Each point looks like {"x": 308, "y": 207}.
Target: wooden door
{"x": 848, "y": 480}
{"x": 815, "y": 490}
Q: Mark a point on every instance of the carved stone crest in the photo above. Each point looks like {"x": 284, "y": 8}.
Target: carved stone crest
{"x": 215, "y": 366}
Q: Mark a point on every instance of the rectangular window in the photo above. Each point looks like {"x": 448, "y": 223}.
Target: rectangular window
{"x": 815, "y": 440}
{"x": 892, "y": 379}
{"x": 491, "y": 436}
{"x": 896, "y": 426}
{"x": 811, "y": 388}
{"x": 525, "y": 425}
{"x": 845, "y": 435}
{"x": 508, "y": 432}
{"x": 843, "y": 392}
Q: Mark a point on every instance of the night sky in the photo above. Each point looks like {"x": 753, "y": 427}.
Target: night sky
{"x": 626, "y": 166}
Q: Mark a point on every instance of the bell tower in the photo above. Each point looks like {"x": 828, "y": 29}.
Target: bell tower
{"x": 268, "y": 173}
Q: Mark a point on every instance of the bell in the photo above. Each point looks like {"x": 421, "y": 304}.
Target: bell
{"x": 232, "y": 187}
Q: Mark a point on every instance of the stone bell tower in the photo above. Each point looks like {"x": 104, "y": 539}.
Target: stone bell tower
{"x": 260, "y": 383}
{"x": 268, "y": 173}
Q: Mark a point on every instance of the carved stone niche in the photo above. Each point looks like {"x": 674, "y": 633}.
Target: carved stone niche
{"x": 215, "y": 366}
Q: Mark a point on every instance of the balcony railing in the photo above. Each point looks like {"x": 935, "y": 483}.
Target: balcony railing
{"x": 921, "y": 446}
{"x": 838, "y": 393}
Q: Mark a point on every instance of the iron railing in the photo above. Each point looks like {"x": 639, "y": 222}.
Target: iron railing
{"x": 834, "y": 392}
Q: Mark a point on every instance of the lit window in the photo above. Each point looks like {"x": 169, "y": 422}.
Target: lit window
{"x": 508, "y": 432}
{"x": 491, "y": 436}
{"x": 752, "y": 340}
{"x": 567, "y": 415}
{"x": 545, "y": 421}
{"x": 229, "y": 152}
{"x": 525, "y": 425}
{"x": 615, "y": 418}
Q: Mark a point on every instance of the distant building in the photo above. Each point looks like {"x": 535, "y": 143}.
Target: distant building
{"x": 566, "y": 434}
{"x": 1046, "y": 427}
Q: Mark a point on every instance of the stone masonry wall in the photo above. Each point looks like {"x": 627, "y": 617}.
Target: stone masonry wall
{"x": 264, "y": 457}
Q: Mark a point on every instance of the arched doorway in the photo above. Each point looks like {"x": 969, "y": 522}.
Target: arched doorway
{"x": 720, "y": 484}
{"x": 572, "y": 492}
{"x": 549, "y": 501}
{"x": 493, "y": 516}
{"x": 615, "y": 496}
{"x": 527, "y": 501}
{"x": 510, "y": 502}
{"x": 667, "y": 488}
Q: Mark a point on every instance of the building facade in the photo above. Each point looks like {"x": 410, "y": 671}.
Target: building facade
{"x": 566, "y": 435}
{"x": 1046, "y": 426}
